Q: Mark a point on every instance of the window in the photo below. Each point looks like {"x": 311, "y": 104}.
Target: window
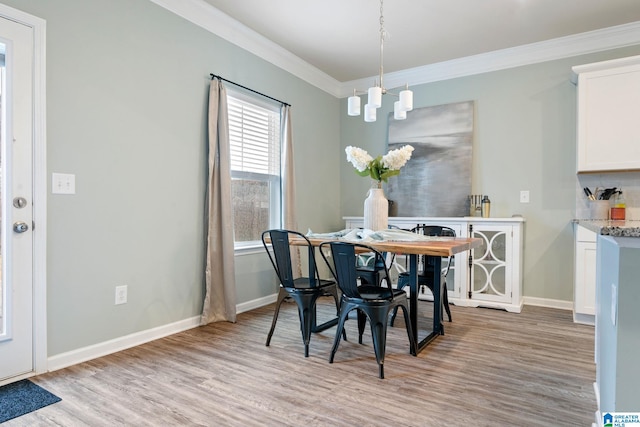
{"x": 254, "y": 134}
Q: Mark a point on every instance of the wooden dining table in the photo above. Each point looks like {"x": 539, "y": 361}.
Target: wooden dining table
{"x": 435, "y": 248}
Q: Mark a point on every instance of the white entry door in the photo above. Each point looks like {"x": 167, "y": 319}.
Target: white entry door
{"x": 16, "y": 211}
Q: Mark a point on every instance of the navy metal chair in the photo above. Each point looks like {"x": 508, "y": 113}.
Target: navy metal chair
{"x": 372, "y": 270}
{"x": 425, "y": 277}
{"x": 303, "y": 290}
{"x": 372, "y": 301}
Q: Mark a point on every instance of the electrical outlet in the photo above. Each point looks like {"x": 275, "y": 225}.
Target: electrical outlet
{"x": 524, "y": 196}
{"x": 121, "y": 294}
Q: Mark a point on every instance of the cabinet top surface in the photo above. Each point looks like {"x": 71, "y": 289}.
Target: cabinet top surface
{"x": 630, "y": 228}
{"x": 443, "y": 219}
{"x": 604, "y": 65}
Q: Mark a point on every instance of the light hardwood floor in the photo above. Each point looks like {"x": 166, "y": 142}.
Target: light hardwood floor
{"x": 492, "y": 368}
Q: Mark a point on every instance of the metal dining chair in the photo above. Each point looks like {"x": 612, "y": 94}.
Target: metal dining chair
{"x": 304, "y": 290}
{"x": 425, "y": 277}
{"x": 372, "y": 302}
{"x": 371, "y": 269}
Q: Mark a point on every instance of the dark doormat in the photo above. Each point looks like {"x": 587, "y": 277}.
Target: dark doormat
{"x": 22, "y": 397}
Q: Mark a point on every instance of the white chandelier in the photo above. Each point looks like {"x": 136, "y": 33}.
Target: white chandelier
{"x": 374, "y": 94}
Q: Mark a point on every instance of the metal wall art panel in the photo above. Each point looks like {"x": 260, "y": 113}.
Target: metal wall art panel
{"x": 437, "y": 180}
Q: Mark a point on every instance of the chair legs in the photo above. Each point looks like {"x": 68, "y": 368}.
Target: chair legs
{"x": 307, "y": 312}
{"x": 306, "y": 303}
{"x": 445, "y": 301}
{"x": 378, "y": 321}
{"x": 345, "y": 308}
{"x": 393, "y": 316}
{"x": 412, "y": 342}
{"x": 282, "y": 294}
{"x": 362, "y": 322}
{"x": 377, "y": 316}
{"x": 333, "y": 291}
{"x": 402, "y": 282}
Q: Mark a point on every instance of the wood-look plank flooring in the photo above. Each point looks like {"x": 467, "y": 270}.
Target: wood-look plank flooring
{"x": 492, "y": 368}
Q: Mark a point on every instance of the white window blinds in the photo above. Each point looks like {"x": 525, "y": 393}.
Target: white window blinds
{"x": 254, "y": 133}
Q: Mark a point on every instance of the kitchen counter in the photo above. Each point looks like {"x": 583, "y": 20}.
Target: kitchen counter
{"x": 607, "y": 267}
{"x": 617, "y": 324}
{"x": 629, "y": 228}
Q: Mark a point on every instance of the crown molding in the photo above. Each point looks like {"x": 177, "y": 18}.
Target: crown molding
{"x": 562, "y": 47}
{"x": 216, "y": 22}
{"x": 213, "y": 20}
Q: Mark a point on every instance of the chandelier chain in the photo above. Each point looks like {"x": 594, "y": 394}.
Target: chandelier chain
{"x": 382, "y": 37}
{"x": 374, "y": 100}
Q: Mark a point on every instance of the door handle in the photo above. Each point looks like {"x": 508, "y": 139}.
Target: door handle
{"x": 20, "y": 227}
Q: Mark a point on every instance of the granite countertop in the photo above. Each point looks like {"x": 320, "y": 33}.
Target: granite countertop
{"x": 629, "y": 228}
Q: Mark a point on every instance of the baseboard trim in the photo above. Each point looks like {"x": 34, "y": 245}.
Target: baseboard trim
{"x": 585, "y": 319}
{"x": 550, "y": 303}
{"x": 256, "y": 303}
{"x": 84, "y": 354}
{"x": 540, "y": 302}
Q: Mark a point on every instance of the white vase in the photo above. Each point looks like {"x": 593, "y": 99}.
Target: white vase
{"x": 376, "y": 210}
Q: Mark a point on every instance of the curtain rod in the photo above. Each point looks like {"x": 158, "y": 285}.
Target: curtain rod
{"x": 213, "y": 76}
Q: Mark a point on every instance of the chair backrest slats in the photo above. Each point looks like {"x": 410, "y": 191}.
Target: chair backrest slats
{"x": 344, "y": 268}
{"x": 282, "y": 259}
{"x": 436, "y": 231}
{"x": 282, "y": 255}
{"x": 344, "y": 260}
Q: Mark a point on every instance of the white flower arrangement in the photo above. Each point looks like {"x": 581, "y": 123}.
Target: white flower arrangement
{"x": 382, "y": 167}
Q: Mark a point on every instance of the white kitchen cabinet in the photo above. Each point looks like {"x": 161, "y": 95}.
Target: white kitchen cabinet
{"x": 584, "y": 285}
{"x": 608, "y": 111}
{"x": 492, "y": 277}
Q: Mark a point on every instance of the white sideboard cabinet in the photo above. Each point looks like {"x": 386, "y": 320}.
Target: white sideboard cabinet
{"x": 496, "y": 267}
{"x": 489, "y": 276}
{"x": 608, "y": 111}
{"x": 584, "y": 286}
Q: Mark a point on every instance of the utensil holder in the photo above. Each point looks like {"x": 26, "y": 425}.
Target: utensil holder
{"x": 599, "y": 209}
{"x": 475, "y": 204}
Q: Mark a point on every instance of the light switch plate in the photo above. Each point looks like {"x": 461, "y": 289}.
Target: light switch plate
{"x": 63, "y": 183}
{"x": 524, "y": 196}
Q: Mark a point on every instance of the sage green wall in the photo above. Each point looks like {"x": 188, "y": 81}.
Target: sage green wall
{"x": 524, "y": 139}
{"x": 127, "y": 86}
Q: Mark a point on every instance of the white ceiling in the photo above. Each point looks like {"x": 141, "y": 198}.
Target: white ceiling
{"x": 341, "y": 37}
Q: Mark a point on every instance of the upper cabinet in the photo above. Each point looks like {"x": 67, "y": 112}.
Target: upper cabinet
{"x": 608, "y": 115}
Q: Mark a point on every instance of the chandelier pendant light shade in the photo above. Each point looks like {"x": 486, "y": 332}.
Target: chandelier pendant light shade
{"x": 406, "y": 100}
{"x": 374, "y": 94}
{"x": 398, "y": 112}
{"x": 370, "y": 113}
{"x": 354, "y": 105}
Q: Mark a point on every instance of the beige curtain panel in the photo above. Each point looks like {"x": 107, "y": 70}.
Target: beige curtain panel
{"x": 220, "y": 292}
{"x": 289, "y": 185}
